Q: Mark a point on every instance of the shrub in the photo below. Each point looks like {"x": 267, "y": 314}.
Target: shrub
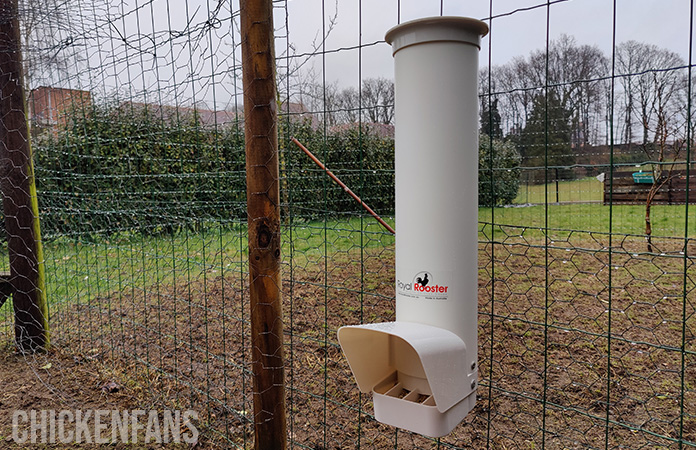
{"x": 362, "y": 160}
{"x": 120, "y": 167}
{"x": 115, "y": 168}
{"x": 503, "y": 170}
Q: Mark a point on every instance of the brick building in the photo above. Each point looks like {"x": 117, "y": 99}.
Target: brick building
{"x": 48, "y": 106}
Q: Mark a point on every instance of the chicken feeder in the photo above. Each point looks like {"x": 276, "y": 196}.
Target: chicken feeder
{"x": 422, "y": 369}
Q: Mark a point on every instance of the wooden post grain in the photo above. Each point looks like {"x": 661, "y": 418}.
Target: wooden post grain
{"x": 263, "y": 206}
{"x": 19, "y": 193}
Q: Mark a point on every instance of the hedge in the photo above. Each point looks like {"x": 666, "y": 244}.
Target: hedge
{"x": 122, "y": 167}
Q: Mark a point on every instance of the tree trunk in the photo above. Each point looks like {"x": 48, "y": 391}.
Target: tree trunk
{"x": 263, "y": 207}
{"x": 20, "y": 204}
{"x": 648, "y": 225}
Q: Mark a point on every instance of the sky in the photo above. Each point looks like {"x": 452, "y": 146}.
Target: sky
{"x": 171, "y": 51}
{"x": 518, "y": 27}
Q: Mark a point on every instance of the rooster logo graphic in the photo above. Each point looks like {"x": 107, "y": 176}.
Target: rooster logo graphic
{"x": 424, "y": 280}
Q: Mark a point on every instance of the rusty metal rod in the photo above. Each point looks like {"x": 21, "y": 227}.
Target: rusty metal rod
{"x": 343, "y": 186}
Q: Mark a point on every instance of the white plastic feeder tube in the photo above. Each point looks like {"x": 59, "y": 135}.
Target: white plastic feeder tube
{"x": 431, "y": 349}
{"x": 436, "y": 115}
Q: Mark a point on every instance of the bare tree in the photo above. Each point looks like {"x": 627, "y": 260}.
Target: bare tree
{"x": 329, "y": 97}
{"x": 576, "y": 74}
{"x": 54, "y": 37}
{"x": 654, "y": 98}
{"x": 665, "y": 155}
{"x": 378, "y": 100}
{"x": 349, "y": 104}
{"x": 323, "y": 101}
{"x": 652, "y": 81}
{"x": 375, "y": 101}
{"x": 509, "y": 84}
{"x": 629, "y": 62}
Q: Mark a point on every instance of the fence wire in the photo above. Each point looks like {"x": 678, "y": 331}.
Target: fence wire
{"x": 586, "y": 233}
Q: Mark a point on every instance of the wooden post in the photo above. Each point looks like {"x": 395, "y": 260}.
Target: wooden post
{"x": 263, "y": 208}
{"x": 19, "y": 193}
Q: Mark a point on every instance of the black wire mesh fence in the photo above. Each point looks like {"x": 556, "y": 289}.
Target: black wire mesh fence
{"x": 586, "y": 269}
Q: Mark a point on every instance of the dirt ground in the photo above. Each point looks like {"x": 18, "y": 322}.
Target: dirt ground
{"x": 65, "y": 378}
{"x": 548, "y": 371}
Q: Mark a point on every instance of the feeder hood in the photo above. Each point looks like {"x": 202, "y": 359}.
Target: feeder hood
{"x": 429, "y": 359}
{"x": 415, "y": 373}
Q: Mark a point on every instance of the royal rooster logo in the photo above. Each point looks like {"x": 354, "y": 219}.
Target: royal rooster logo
{"x": 423, "y": 284}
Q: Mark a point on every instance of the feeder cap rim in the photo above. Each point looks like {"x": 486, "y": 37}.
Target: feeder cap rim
{"x": 464, "y": 25}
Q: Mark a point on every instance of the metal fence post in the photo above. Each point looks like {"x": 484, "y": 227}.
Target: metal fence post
{"x": 19, "y": 192}
{"x": 263, "y": 208}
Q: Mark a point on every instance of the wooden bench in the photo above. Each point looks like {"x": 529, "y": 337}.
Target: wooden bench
{"x": 5, "y": 287}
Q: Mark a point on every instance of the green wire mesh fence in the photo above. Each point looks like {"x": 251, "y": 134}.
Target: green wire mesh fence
{"x": 586, "y": 286}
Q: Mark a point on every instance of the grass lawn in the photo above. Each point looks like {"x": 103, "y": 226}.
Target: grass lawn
{"x": 585, "y": 190}
{"x": 80, "y": 270}
{"x": 581, "y": 209}
{"x": 667, "y": 220}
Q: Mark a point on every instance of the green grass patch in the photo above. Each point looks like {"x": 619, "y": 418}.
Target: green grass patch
{"x": 80, "y": 270}
{"x": 83, "y": 270}
{"x": 585, "y": 190}
{"x": 667, "y": 220}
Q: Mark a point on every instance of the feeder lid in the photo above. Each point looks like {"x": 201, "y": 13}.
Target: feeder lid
{"x": 436, "y": 29}
{"x": 441, "y": 352}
